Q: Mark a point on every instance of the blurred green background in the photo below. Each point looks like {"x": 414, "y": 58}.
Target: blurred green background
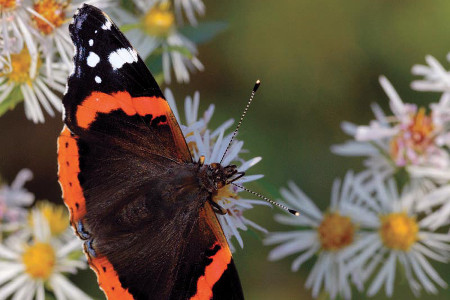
{"x": 319, "y": 63}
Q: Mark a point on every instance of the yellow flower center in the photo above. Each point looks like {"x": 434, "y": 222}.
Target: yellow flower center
{"x": 20, "y": 67}
{"x": 224, "y": 193}
{"x": 336, "y": 232}
{"x": 159, "y": 20}
{"x": 39, "y": 260}
{"x": 7, "y": 4}
{"x": 418, "y": 136}
{"x": 52, "y": 11}
{"x": 398, "y": 231}
{"x": 56, "y": 216}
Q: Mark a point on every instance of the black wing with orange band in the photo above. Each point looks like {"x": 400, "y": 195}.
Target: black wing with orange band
{"x": 122, "y": 152}
{"x": 108, "y": 76}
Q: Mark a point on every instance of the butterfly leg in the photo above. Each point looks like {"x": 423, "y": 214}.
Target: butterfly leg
{"x": 239, "y": 175}
{"x": 217, "y": 208}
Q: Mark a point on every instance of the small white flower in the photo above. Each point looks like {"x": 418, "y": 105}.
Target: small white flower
{"x": 328, "y": 235}
{"x": 36, "y": 90}
{"x": 16, "y": 32}
{"x": 49, "y": 19}
{"x": 436, "y": 205}
{"x": 212, "y": 146}
{"x": 29, "y": 267}
{"x": 435, "y": 77}
{"x": 13, "y": 200}
{"x": 409, "y": 138}
{"x": 190, "y": 8}
{"x": 5, "y": 64}
{"x": 395, "y": 236}
{"x": 157, "y": 31}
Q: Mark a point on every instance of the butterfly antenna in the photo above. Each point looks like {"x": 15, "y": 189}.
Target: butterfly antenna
{"x": 292, "y": 211}
{"x": 255, "y": 88}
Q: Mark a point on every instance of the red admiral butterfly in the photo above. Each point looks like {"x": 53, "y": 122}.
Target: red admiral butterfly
{"x": 136, "y": 197}
{"x": 143, "y": 207}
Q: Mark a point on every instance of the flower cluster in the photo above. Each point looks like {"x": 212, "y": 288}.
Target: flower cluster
{"x": 35, "y": 54}
{"x": 36, "y": 50}
{"x": 37, "y": 247}
{"x": 154, "y": 28}
{"x": 392, "y": 216}
{"x": 212, "y": 144}
{"x": 13, "y": 202}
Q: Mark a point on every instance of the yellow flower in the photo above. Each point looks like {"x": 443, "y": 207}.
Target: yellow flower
{"x": 56, "y": 215}
{"x": 398, "y": 231}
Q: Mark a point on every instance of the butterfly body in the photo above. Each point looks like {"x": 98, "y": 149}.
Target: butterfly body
{"x": 144, "y": 208}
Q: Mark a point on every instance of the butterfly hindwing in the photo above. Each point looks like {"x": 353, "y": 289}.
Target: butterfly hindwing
{"x": 128, "y": 179}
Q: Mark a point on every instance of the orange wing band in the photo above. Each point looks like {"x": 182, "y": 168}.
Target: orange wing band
{"x": 99, "y": 102}
{"x": 213, "y": 272}
{"x": 68, "y": 162}
{"x": 108, "y": 279}
{"x": 68, "y": 169}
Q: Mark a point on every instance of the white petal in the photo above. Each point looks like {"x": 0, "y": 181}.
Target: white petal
{"x": 14, "y": 285}
{"x": 296, "y": 264}
{"x": 9, "y": 271}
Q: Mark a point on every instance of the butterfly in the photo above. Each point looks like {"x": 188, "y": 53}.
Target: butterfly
{"x": 138, "y": 200}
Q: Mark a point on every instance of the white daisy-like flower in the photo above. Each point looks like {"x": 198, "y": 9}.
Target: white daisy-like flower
{"x": 5, "y": 64}
{"x": 49, "y": 18}
{"x": 39, "y": 25}
{"x": 157, "y": 33}
{"x": 35, "y": 90}
{"x": 409, "y": 138}
{"x": 395, "y": 237}
{"x": 326, "y": 235}
{"x": 212, "y": 145}
{"x": 435, "y": 77}
{"x": 192, "y": 120}
{"x": 57, "y": 218}
{"x": 16, "y": 32}
{"x": 13, "y": 200}
{"x": 436, "y": 206}
{"x": 29, "y": 267}
{"x": 191, "y": 8}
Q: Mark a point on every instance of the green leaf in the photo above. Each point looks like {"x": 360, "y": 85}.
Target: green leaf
{"x": 203, "y": 32}
{"x": 127, "y": 5}
{"x": 401, "y": 178}
{"x": 14, "y": 98}
{"x": 181, "y": 49}
{"x": 159, "y": 77}
{"x": 154, "y": 62}
{"x": 127, "y": 27}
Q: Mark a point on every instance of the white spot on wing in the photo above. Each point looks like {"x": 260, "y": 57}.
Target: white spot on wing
{"x": 92, "y": 59}
{"x": 95, "y": 31}
{"x": 107, "y": 25}
{"x": 91, "y": 42}
{"x": 122, "y": 56}
{"x": 98, "y": 79}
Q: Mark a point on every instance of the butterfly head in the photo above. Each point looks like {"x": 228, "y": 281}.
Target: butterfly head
{"x": 215, "y": 176}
